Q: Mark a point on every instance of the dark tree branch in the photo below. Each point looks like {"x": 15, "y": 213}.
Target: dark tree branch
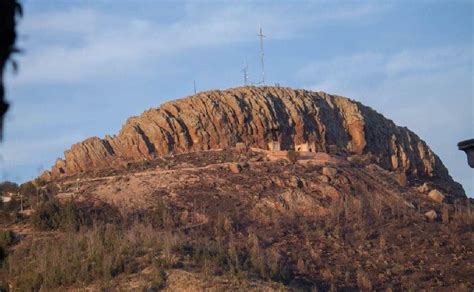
{"x": 9, "y": 9}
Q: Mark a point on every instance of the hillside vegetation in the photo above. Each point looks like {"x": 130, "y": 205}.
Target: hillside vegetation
{"x": 240, "y": 219}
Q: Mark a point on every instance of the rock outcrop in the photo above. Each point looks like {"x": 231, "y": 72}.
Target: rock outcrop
{"x": 256, "y": 116}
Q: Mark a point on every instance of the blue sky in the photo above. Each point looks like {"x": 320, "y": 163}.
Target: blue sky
{"x": 89, "y": 65}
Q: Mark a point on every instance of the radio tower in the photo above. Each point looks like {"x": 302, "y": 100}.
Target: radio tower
{"x": 246, "y": 74}
{"x": 261, "y": 36}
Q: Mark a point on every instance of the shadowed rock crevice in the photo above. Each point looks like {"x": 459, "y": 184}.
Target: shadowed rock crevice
{"x": 279, "y": 113}
{"x": 149, "y": 146}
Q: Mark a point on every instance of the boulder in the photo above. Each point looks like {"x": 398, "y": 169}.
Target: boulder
{"x": 401, "y": 179}
{"x": 329, "y": 171}
{"x": 431, "y": 215}
{"x": 235, "y": 168}
{"x": 323, "y": 179}
{"x": 436, "y": 196}
{"x": 424, "y": 188}
{"x": 240, "y": 146}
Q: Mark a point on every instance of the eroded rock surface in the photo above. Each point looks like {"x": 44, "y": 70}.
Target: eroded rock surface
{"x": 255, "y": 116}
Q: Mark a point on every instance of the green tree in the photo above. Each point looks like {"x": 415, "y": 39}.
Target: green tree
{"x": 8, "y": 186}
{"x": 28, "y": 193}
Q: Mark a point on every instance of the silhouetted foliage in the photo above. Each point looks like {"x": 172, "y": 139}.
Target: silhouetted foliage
{"x": 7, "y": 238}
{"x": 28, "y": 189}
{"x": 9, "y": 9}
{"x": 8, "y": 186}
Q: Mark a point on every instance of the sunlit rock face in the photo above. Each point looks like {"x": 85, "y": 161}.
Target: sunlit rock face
{"x": 257, "y": 116}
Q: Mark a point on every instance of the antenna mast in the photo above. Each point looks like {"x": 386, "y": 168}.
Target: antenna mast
{"x": 246, "y": 75}
{"x": 261, "y": 36}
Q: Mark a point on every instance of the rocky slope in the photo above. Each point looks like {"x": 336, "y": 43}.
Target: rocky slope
{"x": 256, "y": 116}
{"x": 254, "y": 220}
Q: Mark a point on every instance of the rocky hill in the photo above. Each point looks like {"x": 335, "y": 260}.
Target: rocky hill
{"x": 254, "y": 189}
{"x": 256, "y": 116}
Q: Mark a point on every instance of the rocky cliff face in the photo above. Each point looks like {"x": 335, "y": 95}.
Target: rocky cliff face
{"x": 256, "y": 116}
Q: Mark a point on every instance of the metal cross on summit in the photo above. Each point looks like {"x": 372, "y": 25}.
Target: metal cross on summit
{"x": 261, "y": 35}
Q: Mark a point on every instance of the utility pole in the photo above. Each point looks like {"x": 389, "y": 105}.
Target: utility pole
{"x": 246, "y": 75}
{"x": 21, "y": 201}
{"x": 261, "y": 36}
{"x": 194, "y": 84}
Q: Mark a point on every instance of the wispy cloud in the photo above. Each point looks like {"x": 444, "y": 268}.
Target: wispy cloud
{"x": 26, "y": 158}
{"x": 75, "y": 20}
{"x": 428, "y": 73}
{"x": 428, "y": 60}
{"x": 40, "y": 150}
{"x": 78, "y": 44}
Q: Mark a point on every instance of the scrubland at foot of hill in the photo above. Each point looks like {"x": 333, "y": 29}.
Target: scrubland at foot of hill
{"x": 241, "y": 219}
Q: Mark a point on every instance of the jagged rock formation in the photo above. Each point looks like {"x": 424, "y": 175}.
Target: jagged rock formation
{"x": 256, "y": 116}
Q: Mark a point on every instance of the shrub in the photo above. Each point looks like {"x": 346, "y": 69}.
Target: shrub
{"x": 356, "y": 161}
{"x": 363, "y": 281}
{"x": 445, "y": 214}
{"x": 29, "y": 194}
{"x": 157, "y": 281}
{"x": 8, "y": 186}
{"x": 69, "y": 217}
{"x": 28, "y": 190}
{"x": 49, "y": 191}
{"x": 7, "y": 238}
{"x": 257, "y": 259}
{"x": 100, "y": 253}
{"x": 161, "y": 216}
{"x": 293, "y": 156}
{"x": 51, "y": 215}
{"x": 104, "y": 251}
{"x": 463, "y": 214}
{"x": 12, "y": 206}
{"x": 46, "y": 216}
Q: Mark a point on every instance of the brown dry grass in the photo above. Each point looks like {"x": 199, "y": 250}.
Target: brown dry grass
{"x": 272, "y": 223}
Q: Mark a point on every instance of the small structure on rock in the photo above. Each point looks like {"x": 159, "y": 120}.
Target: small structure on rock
{"x": 306, "y": 147}
{"x": 274, "y": 146}
{"x": 6, "y": 197}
